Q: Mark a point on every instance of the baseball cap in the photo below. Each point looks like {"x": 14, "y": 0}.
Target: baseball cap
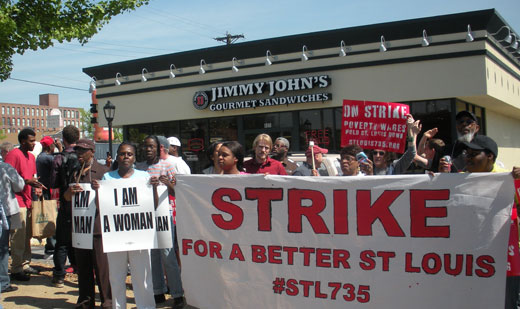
{"x": 482, "y": 142}
{"x": 163, "y": 141}
{"x": 316, "y": 149}
{"x": 46, "y": 141}
{"x": 85, "y": 144}
{"x": 466, "y": 114}
{"x": 174, "y": 141}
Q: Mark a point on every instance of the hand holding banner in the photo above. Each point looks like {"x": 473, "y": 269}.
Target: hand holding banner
{"x": 83, "y": 215}
{"x": 126, "y": 210}
{"x": 408, "y": 241}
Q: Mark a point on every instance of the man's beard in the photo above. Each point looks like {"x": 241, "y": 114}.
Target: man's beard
{"x": 468, "y": 137}
{"x": 277, "y": 155}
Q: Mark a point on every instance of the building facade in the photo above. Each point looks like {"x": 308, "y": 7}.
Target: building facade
{"x": 295, "y": 86}
{"x": 15, "y": 117}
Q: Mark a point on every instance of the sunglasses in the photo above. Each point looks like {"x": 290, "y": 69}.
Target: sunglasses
{"x": 465, "y": 121}
{"x": 379, "y": 153}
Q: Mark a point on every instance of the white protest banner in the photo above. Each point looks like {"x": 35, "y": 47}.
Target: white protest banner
{"x": 163, "y": 220}
{"x": 83, "y": 214}
{"x": 407, "y": 241}
{"x": 374, "y": 125}
{"x": 126, "y": 210}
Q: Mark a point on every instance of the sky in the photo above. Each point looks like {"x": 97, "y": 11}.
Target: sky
{"x": 168, "y": 26}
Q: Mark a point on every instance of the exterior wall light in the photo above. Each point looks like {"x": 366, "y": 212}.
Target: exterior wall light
{"x": 233, "y": 65}
{"x": 201, "y": 69}
{"x": 382, "y": 46}
{"x": 425, "y": 40}
{"x": 469, "y": 35}
{"x": 305, "y": 57}
{"x": 342, "y": 49}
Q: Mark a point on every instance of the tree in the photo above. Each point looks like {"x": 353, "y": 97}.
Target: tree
{"x": 33, "y": 24}
{"x": 86, "y": 127}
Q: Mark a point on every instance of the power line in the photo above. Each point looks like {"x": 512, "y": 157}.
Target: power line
{"x": 185, "y": 20}
{"x": 110, "y": 49}
{"x": 126, "y": 46}
{"x": 46, "y": 84}
{"x": 92, "y": 52}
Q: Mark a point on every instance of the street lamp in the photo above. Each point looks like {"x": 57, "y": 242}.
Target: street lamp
{"x": 109, "y": 109}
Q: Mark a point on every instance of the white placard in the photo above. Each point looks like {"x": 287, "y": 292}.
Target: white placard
{"x": 408, "y": 241}
{"x": 163, "y": 220}
{"x": 83, "y": 215}
{"x": 127, "y": 216}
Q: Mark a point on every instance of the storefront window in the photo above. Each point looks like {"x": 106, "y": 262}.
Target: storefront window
{"x": 223, "y": 129}
{"x": 312, "y": 129}
{"x": 434, "y": 114}
{"x": 274, "y": 124}
{"x": 193, "y": 140}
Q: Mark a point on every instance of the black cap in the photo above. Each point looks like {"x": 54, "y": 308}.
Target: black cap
{"x": 466, "y": 114}
{"x": 482, "y": 142}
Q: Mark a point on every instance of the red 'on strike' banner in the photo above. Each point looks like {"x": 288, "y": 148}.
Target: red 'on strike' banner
{"x": 374, "y": 125}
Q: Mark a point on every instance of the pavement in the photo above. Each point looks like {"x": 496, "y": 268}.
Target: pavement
{"x": 39, "y": 293}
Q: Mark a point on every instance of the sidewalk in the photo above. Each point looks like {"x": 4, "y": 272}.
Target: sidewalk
{"x": 39, "y": 293}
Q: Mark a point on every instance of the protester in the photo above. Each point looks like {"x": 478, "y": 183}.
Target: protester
{"x": 350, "y": 166}
{"x": 384, "y": 162}
{"x": 306, "y": 169}
{"x": 467, "y": 128}
{"x": 231, "y": 158}
{"x": 44, "y": 164}
{"x": 212, "y": 154}
{"x": 25, "y": 164}
{"x": 280, "y": 153}
{"x": 432, "y": 151}
{"x": 44, "y": 170}
{"x": 480, "y": 155}
{"x": 10, "y": 183}
{"x": 139, "y": 260}
{"x": 261, "y": 163}
{"x": 181, "y": 167}
{"x": 65, "y": 165}
{"x": 163, "y": 170}
{"x": 92, "y": 263}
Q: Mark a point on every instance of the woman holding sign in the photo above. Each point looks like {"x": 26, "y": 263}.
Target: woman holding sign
{"x": 139, "y": 260}
{"x": 384, "y": 163}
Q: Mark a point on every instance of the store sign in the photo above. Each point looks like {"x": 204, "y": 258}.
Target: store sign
{"x": 274, "y": 89}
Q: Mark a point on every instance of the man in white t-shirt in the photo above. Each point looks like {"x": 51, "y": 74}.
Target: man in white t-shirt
{"x": 181, "y": 167}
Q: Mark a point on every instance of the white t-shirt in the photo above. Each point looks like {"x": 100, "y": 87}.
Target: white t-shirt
{"x": 180, "y": 167}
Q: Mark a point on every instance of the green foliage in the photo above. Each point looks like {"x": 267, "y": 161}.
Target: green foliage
{"x": 86, "y": 127}
{"x": 33, "y": 24}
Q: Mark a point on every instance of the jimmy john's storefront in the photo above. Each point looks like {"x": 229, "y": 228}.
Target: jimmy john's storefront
{"x": 277, "y": 87}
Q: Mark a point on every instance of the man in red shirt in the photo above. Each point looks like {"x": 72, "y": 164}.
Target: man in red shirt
{"x": 262, "y": 163}
{"x": 24, "y": 163}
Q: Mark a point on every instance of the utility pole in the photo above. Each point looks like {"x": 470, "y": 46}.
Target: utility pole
{"x": 230, "y": 38}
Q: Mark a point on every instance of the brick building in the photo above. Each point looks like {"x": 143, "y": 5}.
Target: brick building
{"x": 15, "y": 117}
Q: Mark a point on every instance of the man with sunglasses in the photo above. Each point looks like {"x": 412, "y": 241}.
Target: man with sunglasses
{"x": 480, "y": 155}
{"x": 467, "y": 128}
{"x": 280, "y": 153}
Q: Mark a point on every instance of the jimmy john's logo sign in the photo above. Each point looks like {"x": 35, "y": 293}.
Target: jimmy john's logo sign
{"x": 220, "y": 98}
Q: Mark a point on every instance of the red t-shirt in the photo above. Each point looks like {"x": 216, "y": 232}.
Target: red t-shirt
{"x": 25, "y": 165}
{"x": 270, "y": 166}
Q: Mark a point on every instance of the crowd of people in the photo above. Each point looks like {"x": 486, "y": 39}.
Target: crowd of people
{"x": 62, "y": 166}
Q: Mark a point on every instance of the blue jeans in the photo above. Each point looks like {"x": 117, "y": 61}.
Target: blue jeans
{"x": 168, "y": 258}
{"x": 4, "y": 256}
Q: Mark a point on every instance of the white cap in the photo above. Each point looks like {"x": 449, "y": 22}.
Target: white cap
{"x": 174, "y": 141}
